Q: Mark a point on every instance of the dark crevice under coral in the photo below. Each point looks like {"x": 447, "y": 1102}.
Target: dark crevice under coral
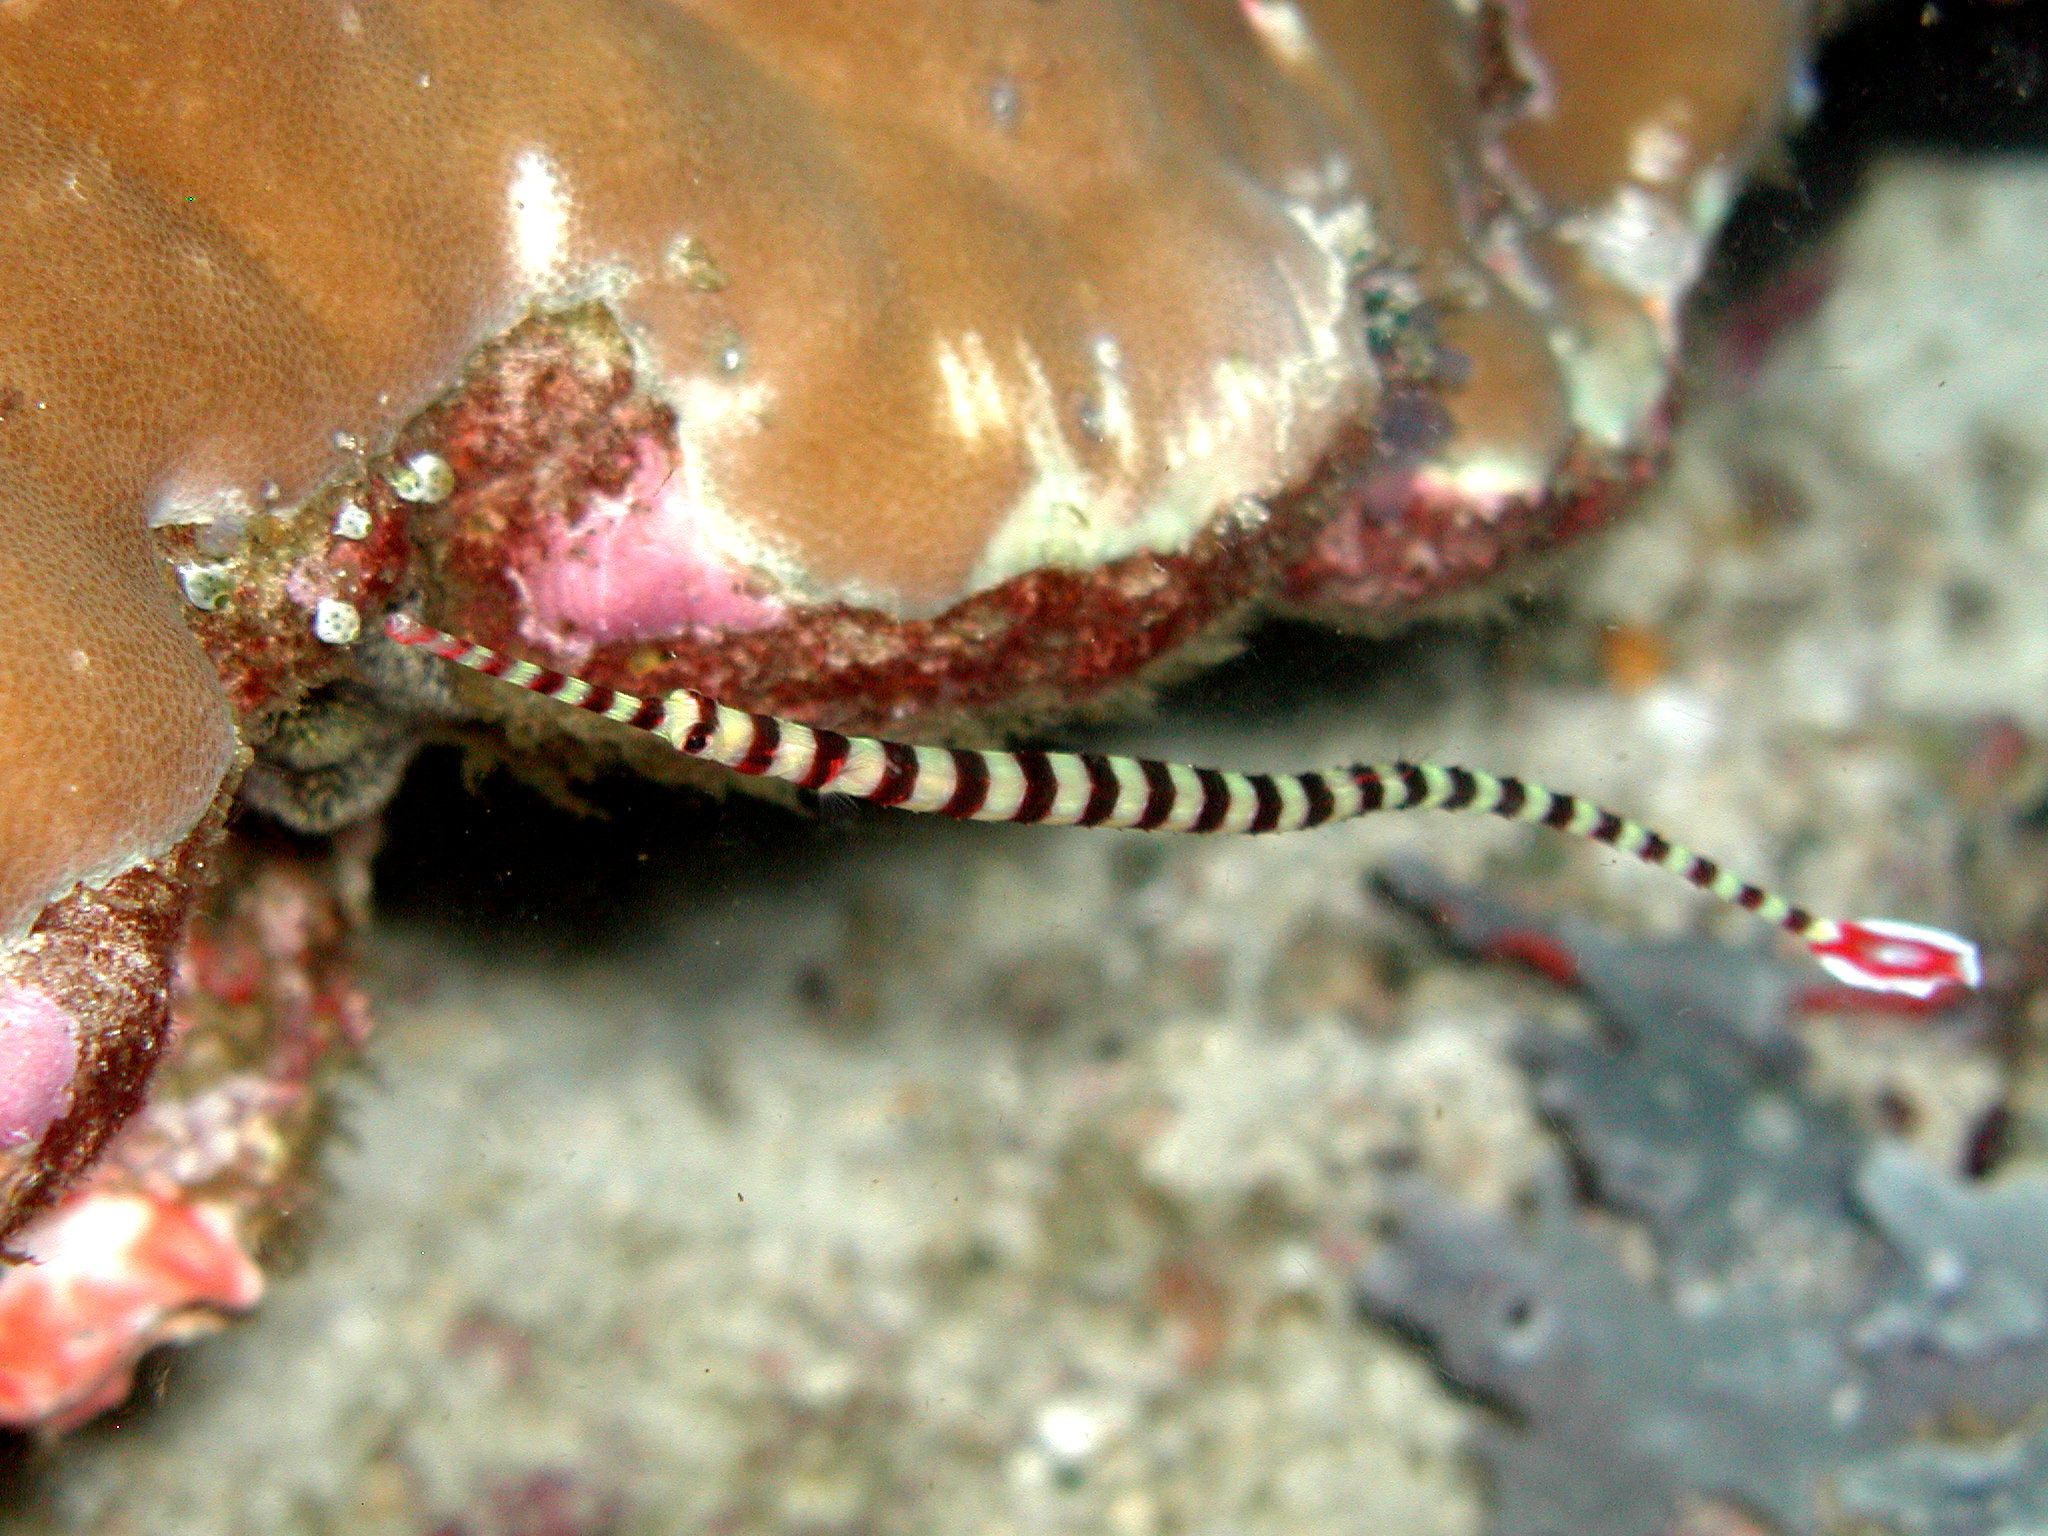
{"x": 1964, "y": 76}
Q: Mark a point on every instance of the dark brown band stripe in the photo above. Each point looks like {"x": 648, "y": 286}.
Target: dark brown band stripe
{"x": 1041, "y": 786}
{"x": 1514, "y": 794}
{"x": 698, "y": 737}
{"x": 767, "y": 737}
{"x": 830, "y": 757}
{"x": 1215, "y": 800}
{"x": 970, "y": 790}
{"x": 1159, "y": 795}
{"x": 1464, "y": 789}
{"x": 1267, "y": 817}
{"x": 1321, "y": 803}
{"x": 899, "y": 776}
{"x": 1104, "y": 789}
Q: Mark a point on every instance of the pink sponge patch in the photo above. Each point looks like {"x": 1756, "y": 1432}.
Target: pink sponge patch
{"x": 38, "y": 1054}
{"x": 638, "y": 566}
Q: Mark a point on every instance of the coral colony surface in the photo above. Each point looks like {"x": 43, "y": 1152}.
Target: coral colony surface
{"x": 906, "y": 364}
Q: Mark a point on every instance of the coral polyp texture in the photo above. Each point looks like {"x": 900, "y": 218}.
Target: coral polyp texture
{"x": 878, "y": 364}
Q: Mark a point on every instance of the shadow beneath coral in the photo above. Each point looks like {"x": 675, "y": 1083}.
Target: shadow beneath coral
{"x": 503, "y": 863}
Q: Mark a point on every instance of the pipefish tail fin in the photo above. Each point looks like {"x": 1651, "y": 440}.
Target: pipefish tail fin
{"x": 1091, "y": 789}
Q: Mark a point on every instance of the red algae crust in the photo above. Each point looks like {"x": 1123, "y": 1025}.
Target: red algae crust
{"x": 551, "y": 421}
{"x": 103, "y": 957}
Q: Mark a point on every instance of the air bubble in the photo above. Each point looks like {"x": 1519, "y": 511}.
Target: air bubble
{"x": 424, "y": 478}
{"x": 1005, "y": 101}
{"x": 219, "y": 539}
{"x": 351, "y": 521}
{"x": 337, "y": 622}
{"x": 207, "y": 587}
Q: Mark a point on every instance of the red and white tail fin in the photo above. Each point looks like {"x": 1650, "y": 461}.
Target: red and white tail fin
{"x": 1907, "y": 959}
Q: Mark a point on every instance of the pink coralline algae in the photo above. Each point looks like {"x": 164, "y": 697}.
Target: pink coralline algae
{"x": 903, "y": 365}
{"x": 106, "y": 1277}
{"x": 38, "y": 1054}
{"x": 636, "y": 566}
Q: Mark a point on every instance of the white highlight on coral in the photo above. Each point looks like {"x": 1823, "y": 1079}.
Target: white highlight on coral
{"x": 689, "y": 260}
{"x": 1071, "y": 1434}
{"x": 1244, "y": 428}
{"x": 1686, "y": 719}
{"x": 973, "y": 388}
{"x": 1282, "y": 28}
{"x": 537, "y": 209}
{"x": 182, "y": 505}
{"x": 1488, "y": 481}
{"x": 1111, "y": 419}
{"x": 1657, "y": 151}
{"x": 1642, "y": 242}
